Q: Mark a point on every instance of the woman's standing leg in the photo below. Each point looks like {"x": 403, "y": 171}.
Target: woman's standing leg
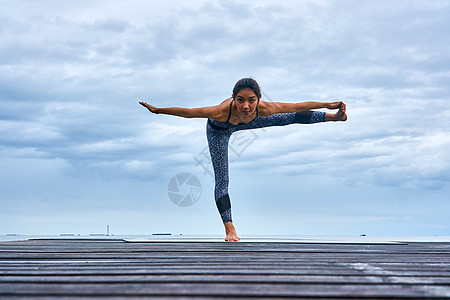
{"x": 218, "y": 149}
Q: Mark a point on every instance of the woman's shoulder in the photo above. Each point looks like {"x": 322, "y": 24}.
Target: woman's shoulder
{"x": 265, "y": 108}
{"x": 226, "y": 102}
{"x": 223, "y": 110}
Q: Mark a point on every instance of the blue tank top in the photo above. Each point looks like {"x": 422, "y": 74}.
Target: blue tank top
{"x": 218, "y": 125}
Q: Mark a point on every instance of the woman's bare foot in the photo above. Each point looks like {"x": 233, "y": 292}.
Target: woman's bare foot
{"x": 230, "y": 232}
{"x": 341, "y": 115}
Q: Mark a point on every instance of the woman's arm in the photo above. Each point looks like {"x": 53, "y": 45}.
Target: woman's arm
{"x": 270, "y": 108}
{"x": 200, "y": 112}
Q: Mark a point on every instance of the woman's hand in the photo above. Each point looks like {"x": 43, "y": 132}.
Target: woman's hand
{"x": 151, "y": 108}
{"x": 335, "y": 105}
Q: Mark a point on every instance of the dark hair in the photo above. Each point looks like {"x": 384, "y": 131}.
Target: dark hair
{"x": 247, "y": 83}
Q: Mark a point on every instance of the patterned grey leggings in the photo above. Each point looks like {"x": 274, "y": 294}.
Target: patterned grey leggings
{"x": 219, "y": 134}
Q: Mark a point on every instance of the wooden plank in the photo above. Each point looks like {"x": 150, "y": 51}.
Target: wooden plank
{"x": 225, "y": 278}
{"x": 218, "y": 289}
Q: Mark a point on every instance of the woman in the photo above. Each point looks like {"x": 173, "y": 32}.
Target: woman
{"x": 244, "y": 110}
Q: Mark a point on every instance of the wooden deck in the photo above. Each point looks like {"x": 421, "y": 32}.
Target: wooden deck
{"x": 113, "y": 269}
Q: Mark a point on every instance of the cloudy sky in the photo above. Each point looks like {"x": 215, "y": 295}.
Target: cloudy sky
{"x": 78, "y": 153}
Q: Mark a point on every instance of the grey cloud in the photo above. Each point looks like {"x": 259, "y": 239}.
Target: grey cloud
{"x": 71, "y": 78}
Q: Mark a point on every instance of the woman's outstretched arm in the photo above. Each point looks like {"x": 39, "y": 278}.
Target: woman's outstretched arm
{"x": 200, "y": 112}
{"x": 271, "y": 108}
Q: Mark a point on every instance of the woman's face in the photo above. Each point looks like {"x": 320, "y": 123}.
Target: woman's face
{"x": 246, "y": 102}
